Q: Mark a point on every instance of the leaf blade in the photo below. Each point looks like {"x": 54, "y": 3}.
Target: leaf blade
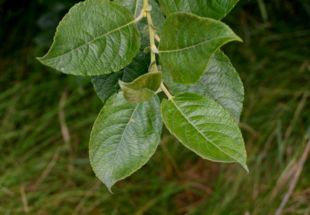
{"x": 123, "y": 138}
{"x": 205, "y": 128}
{"x": 219, "y": 81}
{"x": 186, "y": 56}
{"x": 87, "y": 42}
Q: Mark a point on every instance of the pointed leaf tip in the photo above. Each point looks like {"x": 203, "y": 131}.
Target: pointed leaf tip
{"x": 205, "y": 128}
{"x": 245, "y": 167}
{"x": 187, "y": 57}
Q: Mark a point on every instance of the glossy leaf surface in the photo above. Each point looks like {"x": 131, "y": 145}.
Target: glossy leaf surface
{"x": 216, "y": 9}
{"x": 95, "y": 38}
{"x": 124, "y": 137}
{"x": 187, "y": 44}
{"x": 219, "y": 81}
{"x": 204, "y": 127}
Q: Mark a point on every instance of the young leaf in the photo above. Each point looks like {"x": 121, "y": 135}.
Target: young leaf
{"x": 124, "y": 137}
{"x": 219, "y": 81}
{"x": 106, "y": 85}
{"x": 188, "y": 42}
{"x": 143, "y": 88}
{"x": 204, "y": 127}
{"x": 95, "y": 38}
{"x": 216, "y": 9}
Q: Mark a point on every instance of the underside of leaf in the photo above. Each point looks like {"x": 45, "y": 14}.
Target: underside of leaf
{"x": 219, "y": 81}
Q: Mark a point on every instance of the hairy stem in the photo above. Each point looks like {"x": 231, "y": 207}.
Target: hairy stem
{"x": 147, "y": 8}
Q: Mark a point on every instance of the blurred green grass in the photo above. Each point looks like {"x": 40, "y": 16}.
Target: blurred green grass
{"x": 42, "y": 172}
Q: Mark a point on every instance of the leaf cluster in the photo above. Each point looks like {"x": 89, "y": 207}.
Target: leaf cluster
{"x": 135, "y": 49}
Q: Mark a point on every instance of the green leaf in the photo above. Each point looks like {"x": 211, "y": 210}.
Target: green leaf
{"x": 187, "y": 44}
{"x": 139, "y": 66}
{"x": 216, "y": 9}
{"x": 106, "y": 85}
{"x": 219, "y": 81}
{"x": 123, "y": 138}
{"x": 204, "y": 127}
{"x": 143, "y": 88}
{"x": 95, "y": 38}
{"x": 134, "y": 6}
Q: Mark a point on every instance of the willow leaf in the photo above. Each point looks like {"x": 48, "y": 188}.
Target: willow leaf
{"x": 95, "y": 38}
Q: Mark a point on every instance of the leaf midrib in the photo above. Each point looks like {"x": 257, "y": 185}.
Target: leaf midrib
{"x": 136, "y": 7}
{"x": 122, "y": 137}
{"x": 193, "y": 46}
{"x": 94, "y": 39}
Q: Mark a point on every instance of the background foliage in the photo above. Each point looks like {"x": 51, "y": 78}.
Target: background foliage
{"x": 46, "y": 117}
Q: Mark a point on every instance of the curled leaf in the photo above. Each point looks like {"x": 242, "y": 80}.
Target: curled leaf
{"x": 143, "y": 88}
